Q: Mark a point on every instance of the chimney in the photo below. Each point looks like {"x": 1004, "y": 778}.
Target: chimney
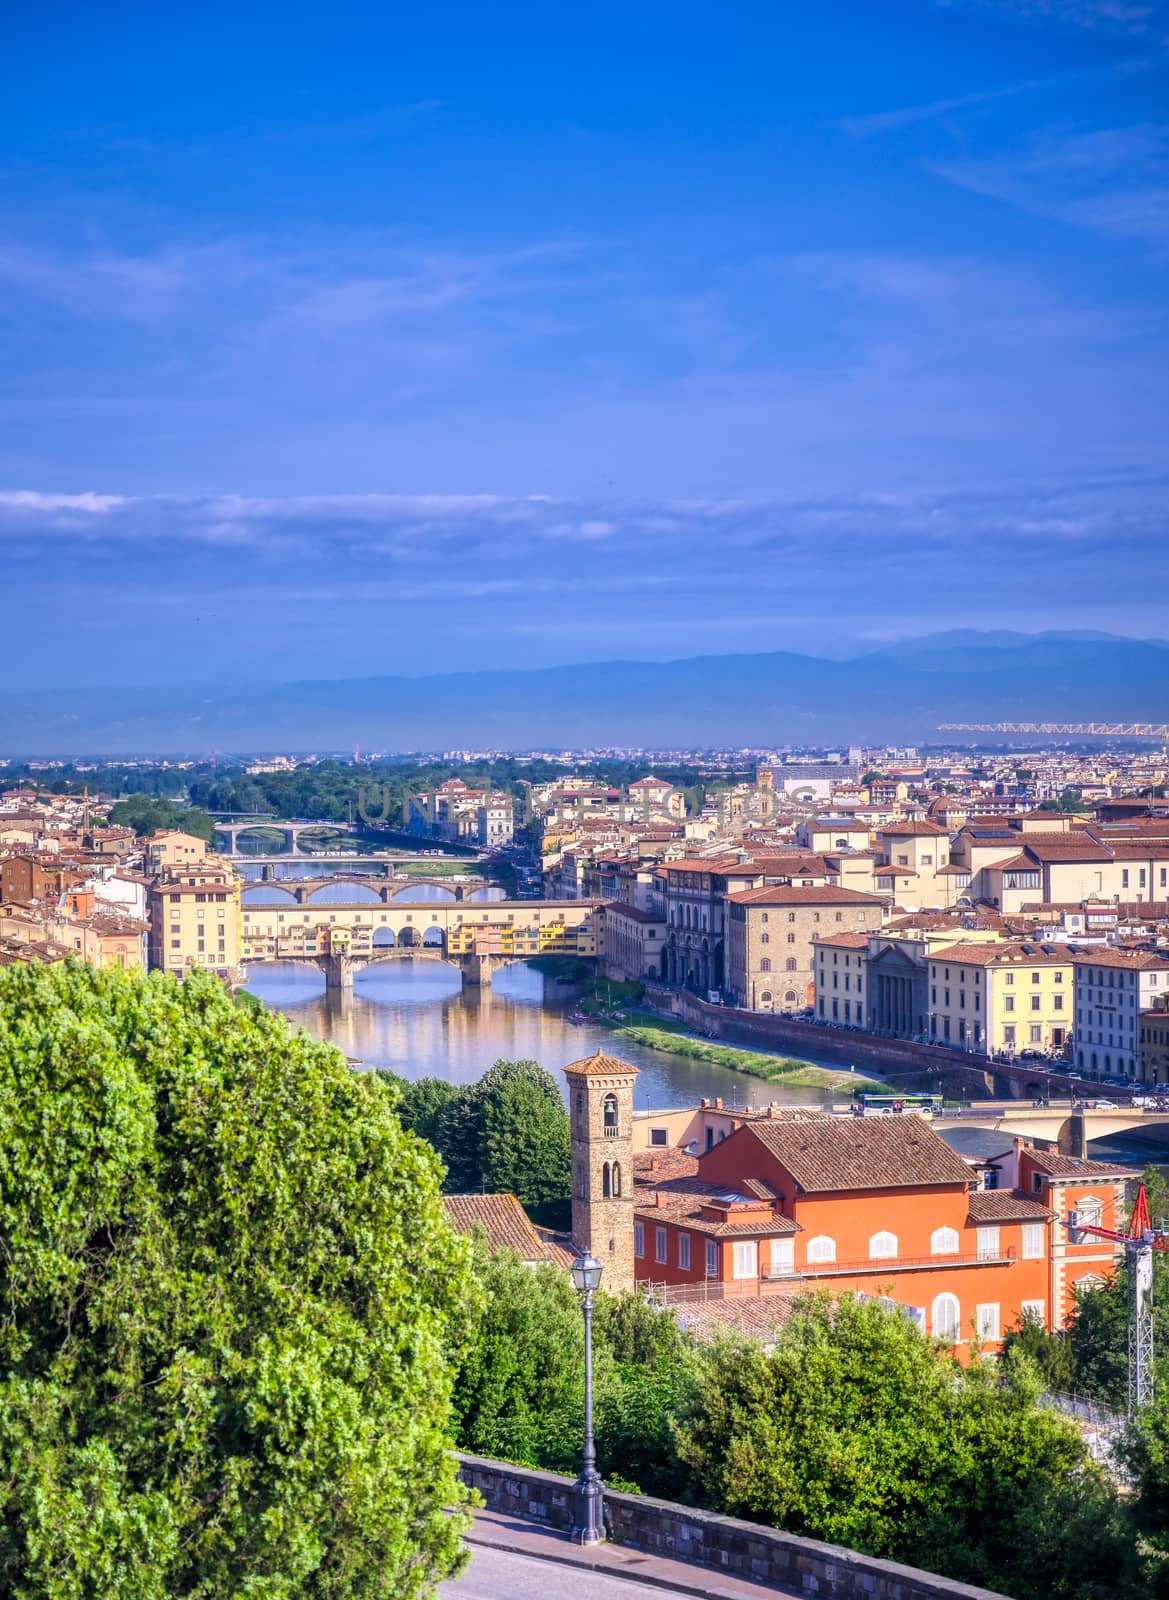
{"x": 718, "y": 1105}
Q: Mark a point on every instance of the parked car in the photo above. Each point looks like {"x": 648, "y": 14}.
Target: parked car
{"x": 1105, "y": 1105}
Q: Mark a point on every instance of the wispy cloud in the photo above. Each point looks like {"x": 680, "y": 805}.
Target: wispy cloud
{"x": 877, "y": 122}
{"x": 1128, "y": 18}
{"x": 1112, "y": 180}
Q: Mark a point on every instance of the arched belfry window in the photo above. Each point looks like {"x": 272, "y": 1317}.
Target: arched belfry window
{"x": 609, "y": 1112}
{"x": 616, "y": 1180}
{"x": 606, "y": 1181}
{"x": 580, "y": 1105}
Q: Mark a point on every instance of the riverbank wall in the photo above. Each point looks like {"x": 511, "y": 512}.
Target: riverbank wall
{"x": 921, "y": 1068}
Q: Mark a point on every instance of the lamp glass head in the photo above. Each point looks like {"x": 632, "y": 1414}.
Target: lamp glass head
{"x": 586, "y": 1273}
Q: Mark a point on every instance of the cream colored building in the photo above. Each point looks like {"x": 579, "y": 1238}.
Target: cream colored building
{"x": 841, "y": 963}
{"x": 632, "y": 942}
{"x": 195, "y": 918}
{"x": 172, "y": 848}
{"x": 914, "y": 865}
{"x": 1002, "y": 999}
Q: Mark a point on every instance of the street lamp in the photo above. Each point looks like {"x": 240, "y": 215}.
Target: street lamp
{"x": 589, "y": 1527}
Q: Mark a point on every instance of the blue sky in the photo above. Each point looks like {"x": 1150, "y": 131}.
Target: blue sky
{"x": 387, "y": 338}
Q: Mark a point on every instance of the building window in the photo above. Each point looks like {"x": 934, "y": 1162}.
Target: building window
{"x": 988, "y": 1243}
{"x": 986, "y": 1320}
{"x": 783, "y": 1257}
{"x": 765, "y": 997}
{"x": 946, "y": 1318}
{"x": 610, "y": 1114}
{"x": 1008, "y": 1002}
{"x": 882, "y": 1246}
{"x": 791, "y": 938}
{"x": 944, "y": 1242}
{"x": 1036, "y": 1002}
{"x": 639, "y": 1238}
{"x": 1034, "y": 1311}
{"x": 684, "y": 1251}
{"x": 764, "y": 938}
{"x": 660, "y": 1244}
{"x": 1033, "y": 1241}
{"x": 791, "y": 964}
{"x": 711, "y": 1259}
{"x": 659, "y": 1136}
{"x": 821, "y": 1248}
{"x": 746, "y": 1258}
{"x": 765, "y": 964}
{"x": 1089, "y": 1212}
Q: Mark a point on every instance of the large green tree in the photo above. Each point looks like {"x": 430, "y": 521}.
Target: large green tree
{"x": 854, "y": 1428}
{"x": 506, "y": 1132}
{"x": 230, "y": 1306}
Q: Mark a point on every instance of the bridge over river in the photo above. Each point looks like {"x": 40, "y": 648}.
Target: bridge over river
{"x": 1070, "y": 1128}
{"x": 342, "y": 928}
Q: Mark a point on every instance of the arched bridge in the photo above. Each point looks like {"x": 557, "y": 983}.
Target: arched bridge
{"x": 477, "y": 968}
{"x": 228, "y": 833}
{"x": 1071, "y": 1130}
{"x": 341, "y": 936}
{"x": 351, "y": 889}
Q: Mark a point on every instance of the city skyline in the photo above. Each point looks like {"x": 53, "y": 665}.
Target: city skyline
{"x": 409, "y": 346}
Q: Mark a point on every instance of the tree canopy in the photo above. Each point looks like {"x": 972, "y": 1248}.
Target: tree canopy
{"x": 853, "y": 1427}
{"x": 507, "y": 1132}
{"x": 146, "y": 814}
{"x": 230, "y": 1306}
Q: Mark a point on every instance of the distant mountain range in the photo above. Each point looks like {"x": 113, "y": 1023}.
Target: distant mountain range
{"x": 898, "y": 692}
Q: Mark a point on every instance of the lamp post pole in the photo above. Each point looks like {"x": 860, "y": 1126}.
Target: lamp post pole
{"x": 589, "y": 1526}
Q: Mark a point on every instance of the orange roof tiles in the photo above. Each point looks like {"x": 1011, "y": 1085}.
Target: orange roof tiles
{"x": 823, "y": 1153}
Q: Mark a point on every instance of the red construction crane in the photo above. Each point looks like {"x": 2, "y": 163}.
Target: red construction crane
{"x": 1140, "y": 1239}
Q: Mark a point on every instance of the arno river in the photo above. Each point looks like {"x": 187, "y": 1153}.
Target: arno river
{"x": 415, "y": 1018}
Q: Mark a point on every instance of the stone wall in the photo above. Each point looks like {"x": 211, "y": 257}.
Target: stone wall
{"x": 743, "y": 1549}
{"x": 920, "y": 1067}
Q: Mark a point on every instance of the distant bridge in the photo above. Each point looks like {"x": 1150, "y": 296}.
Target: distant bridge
{"x": 389, "y": 920}
{"x": 477, "y": 968}
{"x": 353, "y": 888}
{"x": 229, "y": 833}
{"x": 1071, "y": 1130}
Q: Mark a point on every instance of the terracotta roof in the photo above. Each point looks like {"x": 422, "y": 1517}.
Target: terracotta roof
{"x": 619, "y": 908}
{"x": 1058, "y": 1165}
{"x": 823, "y": 1153}
{"x": 502, "y": 1218}
{"x": 843, "y": 941}
{"x": 756, "y": 1316}
{"x": 1004, "y": 1205}
{"x": 907, "y": 830}
{"x": 1016, "y": 953}
{"x": 789, "y": 894}
{"x": 601, "y": 1065}
{"x": 1125, "y": 960}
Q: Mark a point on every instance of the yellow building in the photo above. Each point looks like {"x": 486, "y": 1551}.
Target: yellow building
{"x": 1002, "y": 999}
{"x": 195, "y": 918}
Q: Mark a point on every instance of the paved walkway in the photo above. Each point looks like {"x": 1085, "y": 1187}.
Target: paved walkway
{"x": 516, "y": 1560}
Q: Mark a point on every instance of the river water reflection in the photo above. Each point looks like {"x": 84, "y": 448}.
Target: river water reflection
{"x": 415, "y": 1018}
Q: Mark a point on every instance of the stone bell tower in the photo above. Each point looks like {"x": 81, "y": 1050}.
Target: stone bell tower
{"x": 600, "y": 1112}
